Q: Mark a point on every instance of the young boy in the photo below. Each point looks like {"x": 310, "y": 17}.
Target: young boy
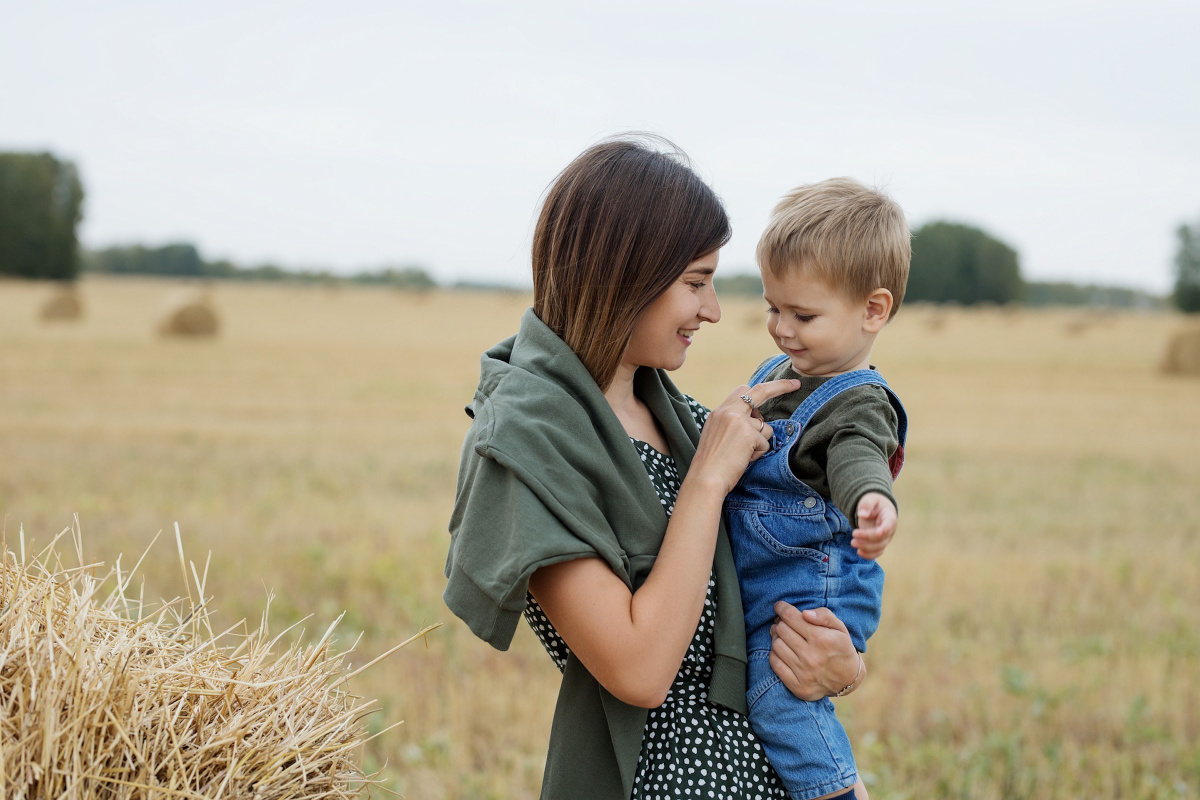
{"x": 809, "y": 518}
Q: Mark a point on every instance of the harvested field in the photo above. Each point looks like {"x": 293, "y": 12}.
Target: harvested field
{"x": 1041, "y": 630}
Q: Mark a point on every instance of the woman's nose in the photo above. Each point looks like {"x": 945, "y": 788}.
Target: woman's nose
{"x": 710, "y": 309}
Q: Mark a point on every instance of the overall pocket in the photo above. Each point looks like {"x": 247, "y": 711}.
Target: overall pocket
{"x": 794, "y": 535}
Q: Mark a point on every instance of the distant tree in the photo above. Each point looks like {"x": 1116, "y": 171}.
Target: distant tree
{"x": 1187, "y": 269}
{"x": 41, "y": 204}
{"x": 179, "y": 260}
{"x": 406, "y": 277}
{"x": 958, "y": 263}
{"x": 1063, "y": 293}
{"x": 748, "y": 284}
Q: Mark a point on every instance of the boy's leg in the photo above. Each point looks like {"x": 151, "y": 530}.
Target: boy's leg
{"x": 804, "y": 742}
{"x": 857, "y": 792}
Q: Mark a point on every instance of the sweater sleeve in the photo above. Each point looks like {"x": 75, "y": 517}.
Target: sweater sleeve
{"x": 500, "y": 534}
{"x": 863, "y": 438}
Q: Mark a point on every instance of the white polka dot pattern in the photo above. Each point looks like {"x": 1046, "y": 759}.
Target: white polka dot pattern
{"x": 691, "y": 748}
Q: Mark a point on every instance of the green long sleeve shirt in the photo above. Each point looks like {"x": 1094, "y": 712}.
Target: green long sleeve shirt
{"x": 844, "y": 452}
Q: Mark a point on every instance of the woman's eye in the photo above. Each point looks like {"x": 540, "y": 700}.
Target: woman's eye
{"x": 699, "y": 285}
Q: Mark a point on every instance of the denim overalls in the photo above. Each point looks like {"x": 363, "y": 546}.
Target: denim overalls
{"x": 792, "y": 544}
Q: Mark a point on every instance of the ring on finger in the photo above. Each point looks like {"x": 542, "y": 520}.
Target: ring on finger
{"x": 761, "y": 424}
{"x": 749, "y": 401}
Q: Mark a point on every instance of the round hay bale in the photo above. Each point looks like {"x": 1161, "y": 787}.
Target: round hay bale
{"x": 1183, "y": 353}
{"x": 191, "y": 316}
{"x": 63, "y": 306}
{"x": 105, "y": 697}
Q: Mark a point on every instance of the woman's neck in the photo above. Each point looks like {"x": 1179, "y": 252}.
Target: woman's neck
{"x": 619, "y": 392}
{"x": 633, "y": 414}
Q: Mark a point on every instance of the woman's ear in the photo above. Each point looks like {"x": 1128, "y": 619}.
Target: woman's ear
{"x": 878, "y": 310}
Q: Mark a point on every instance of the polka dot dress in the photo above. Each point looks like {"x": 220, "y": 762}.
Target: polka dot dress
{"x": 691, "y": 748}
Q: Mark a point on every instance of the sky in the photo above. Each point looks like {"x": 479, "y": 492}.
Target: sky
{"x": 359, "y": 135}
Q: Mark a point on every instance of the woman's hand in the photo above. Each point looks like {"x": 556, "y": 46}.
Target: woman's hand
{"x": 734, "y": 435}
{"x": 812, "y": 654}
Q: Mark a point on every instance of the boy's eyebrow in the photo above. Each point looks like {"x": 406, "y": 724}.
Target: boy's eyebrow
{"x": 792, "y": 306}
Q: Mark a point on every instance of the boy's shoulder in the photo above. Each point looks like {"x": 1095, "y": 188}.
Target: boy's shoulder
{"x": 860, "y": 400}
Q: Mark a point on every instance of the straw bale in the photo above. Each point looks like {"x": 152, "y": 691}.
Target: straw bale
{"x": 189, "y": 315}
{"x": 103, "y": 699}
{"x": 63, "y": 305}
{"x": 1183, "y": 353}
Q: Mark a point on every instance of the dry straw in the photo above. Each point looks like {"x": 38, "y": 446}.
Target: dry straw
{"x": 101, "y": 699}
{"x": 1183, "y": 353}
{"x": 63, "y": 305}
{"x": 189, "y": 315}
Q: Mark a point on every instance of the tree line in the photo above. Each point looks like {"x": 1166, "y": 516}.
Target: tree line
{"x": 41, "y": 205}
{"x": 183, "y": 260}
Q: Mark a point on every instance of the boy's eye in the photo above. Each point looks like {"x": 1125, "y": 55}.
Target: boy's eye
{"x": 805, "y": 317}
{"x": 772, "y": 310}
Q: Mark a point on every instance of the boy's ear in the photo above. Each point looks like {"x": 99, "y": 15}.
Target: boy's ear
{"x": 878, "y": 310}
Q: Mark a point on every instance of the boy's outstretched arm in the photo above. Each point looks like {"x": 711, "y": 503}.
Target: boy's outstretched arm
{"x": 877, "y": 519}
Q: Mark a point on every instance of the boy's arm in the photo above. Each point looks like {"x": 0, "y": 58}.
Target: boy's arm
{"x": 863, "y": 436}
{"x": 876, "y": 525}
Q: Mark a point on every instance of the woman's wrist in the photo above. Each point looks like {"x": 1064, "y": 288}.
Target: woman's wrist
{"x": 705, "y": 485}
{"x": 859, "y": 674}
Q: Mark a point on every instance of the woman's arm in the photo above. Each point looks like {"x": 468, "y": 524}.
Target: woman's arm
{"x": 634, "y": 642}
{"x": 813, "y": 655}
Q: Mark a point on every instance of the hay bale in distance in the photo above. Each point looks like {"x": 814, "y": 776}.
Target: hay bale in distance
{"x": 1183, "y": 353}
{"x": 103, "y": 698}
{"x": 62, "y": 306}
{"x": 189, "y": 316}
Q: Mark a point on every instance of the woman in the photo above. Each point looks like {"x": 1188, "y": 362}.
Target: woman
{"x": 571, "y": 512}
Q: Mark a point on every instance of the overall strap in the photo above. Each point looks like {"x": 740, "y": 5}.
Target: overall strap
{"x": 769, "y": 366}
{"x": 849, "y": 380}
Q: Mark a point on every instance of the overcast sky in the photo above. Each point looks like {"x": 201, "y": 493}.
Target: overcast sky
{"x": 355, "y": 135}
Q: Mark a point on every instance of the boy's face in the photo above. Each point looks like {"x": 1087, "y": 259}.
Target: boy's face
{"x": 822, "y": 331}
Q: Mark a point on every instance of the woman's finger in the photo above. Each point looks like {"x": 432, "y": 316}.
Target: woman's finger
{"x": 793, "y": 620}
{"x": 822, "y": 618}
{"x": 765, "y": 391}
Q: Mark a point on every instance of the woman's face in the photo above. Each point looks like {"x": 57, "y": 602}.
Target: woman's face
{"x": 664, "y": 331}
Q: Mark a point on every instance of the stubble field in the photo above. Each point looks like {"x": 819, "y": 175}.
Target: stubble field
{"x": 1041, "y": 631}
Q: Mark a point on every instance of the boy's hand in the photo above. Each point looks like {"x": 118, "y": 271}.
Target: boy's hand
{"x": 876, "y": 525}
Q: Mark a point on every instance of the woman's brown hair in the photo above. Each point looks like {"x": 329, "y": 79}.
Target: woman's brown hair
{"x": 619, "y": 225}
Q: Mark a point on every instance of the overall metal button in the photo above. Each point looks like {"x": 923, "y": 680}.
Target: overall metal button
{"x": 791, "y": 428}
{"x": 809, "y": 502}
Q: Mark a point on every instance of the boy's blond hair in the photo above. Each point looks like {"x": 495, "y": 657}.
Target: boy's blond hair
{"x": 853, "y": 237}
